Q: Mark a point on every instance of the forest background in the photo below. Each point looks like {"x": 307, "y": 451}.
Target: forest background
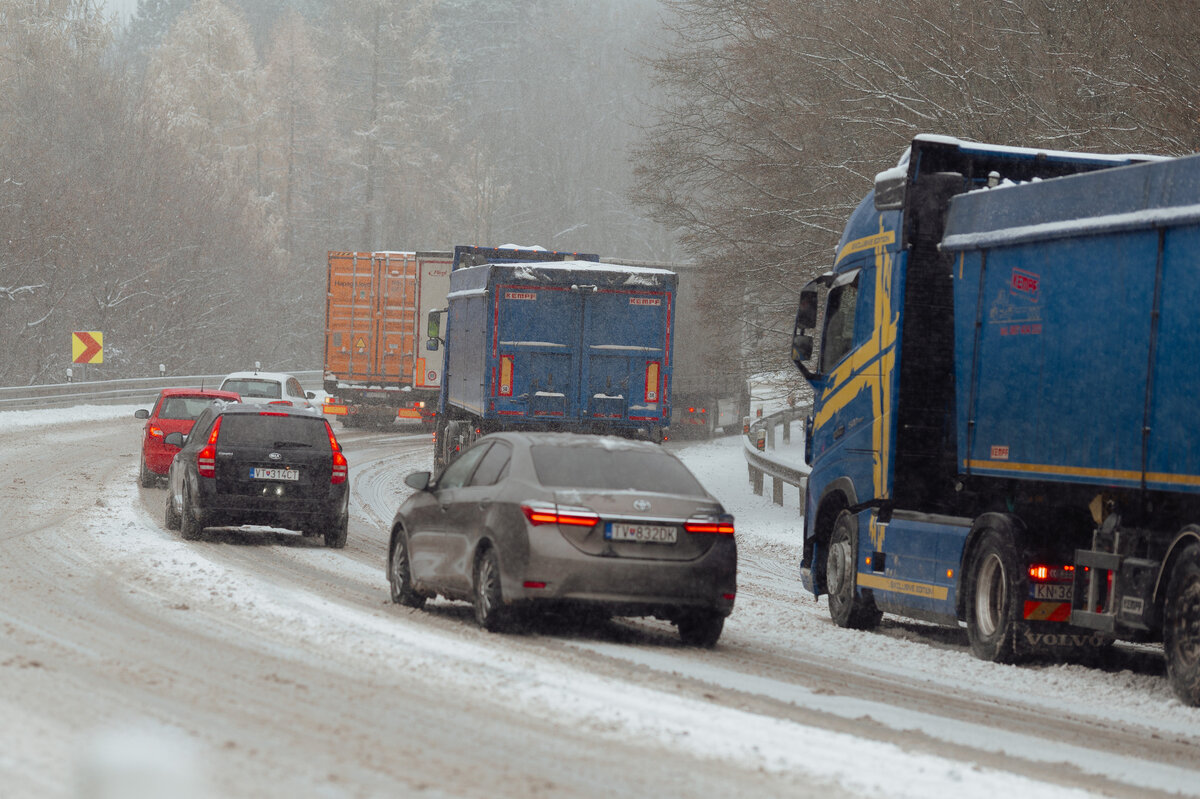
{"x": 176, "y": 181}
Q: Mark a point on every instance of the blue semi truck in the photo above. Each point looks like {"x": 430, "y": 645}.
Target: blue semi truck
{"x": 537, "y": 340}
{"x": 1005, "y": 431}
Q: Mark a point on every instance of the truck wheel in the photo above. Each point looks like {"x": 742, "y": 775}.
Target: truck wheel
{"x": 489, "y": 602}
{"x": 450, "y": 442}
{"x": 1181, "y": 626}
{"x": 846, "y": 607}
{"x": 400, "y": 576}
{"x": 189, "y": 527}
{"x": 994, "y": 598}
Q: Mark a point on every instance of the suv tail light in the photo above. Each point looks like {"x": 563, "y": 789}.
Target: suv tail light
{"x": 206, "y": 460}
{"x": 339, "y": 460}
{"x": 539, "y": 513}
{"x": 721, "y": 525}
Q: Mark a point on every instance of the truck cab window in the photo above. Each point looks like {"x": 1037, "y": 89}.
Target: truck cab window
{"x": 839, "y": 324}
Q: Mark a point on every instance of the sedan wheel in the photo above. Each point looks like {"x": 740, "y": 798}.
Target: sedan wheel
{"x": 146, "y": 477}
{"x": 489, "y": 603}
{"x": 400, "y": 576}
{"x": 701, "y": 627}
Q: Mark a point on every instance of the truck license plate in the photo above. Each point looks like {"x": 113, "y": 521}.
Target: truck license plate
{"x": 641, "y": 533}
{"x": 1050, "y": 592}
{"x": 262, "y": 473}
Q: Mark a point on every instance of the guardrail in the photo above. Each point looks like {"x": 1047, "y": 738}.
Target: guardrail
{"x": 760, "y": 444}
{"x": 117, "y": 392}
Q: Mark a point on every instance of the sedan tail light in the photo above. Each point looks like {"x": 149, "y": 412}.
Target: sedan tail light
{"x": 206, "y": 460}
{"x": 721, "y": 525}
{"x": 547, "y": 513}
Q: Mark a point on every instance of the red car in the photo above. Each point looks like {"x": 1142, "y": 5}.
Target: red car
{"x": 174, "y": 411}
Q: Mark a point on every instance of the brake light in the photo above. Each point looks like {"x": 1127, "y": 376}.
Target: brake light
{"x": 280, "y": 402}
{"x": 275, "y": 413}
{"x": 539, "y": 513}
{"x": 339, "y": 460}
{"x": 156, "y": 432}
{"x": 333, "y": 442}
{"x": 206, "y": 460}
{"x": 506, "y": 376}
{"x": 722, "y": 525}
{"x": 652, "y": 376}
{"x": 1041, "y": 572}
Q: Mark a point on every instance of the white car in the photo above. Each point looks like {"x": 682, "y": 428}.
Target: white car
{"x": 268, "y": 387}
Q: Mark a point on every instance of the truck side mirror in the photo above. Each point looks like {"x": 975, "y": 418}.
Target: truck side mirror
{"x": 802, "y": 340}
{"x": 433, "y": 329}
{"x": 889, "y": 189}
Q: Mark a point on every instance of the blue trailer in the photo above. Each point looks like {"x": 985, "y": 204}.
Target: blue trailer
{"x": 1003, "y": 432}
{"x": 568, "y": 345}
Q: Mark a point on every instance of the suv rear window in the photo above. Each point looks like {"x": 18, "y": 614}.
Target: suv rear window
{"x": 274, "y": 431}
{"x": 613, "y": 469}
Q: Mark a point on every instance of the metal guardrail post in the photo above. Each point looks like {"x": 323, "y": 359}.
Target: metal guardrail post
{"x": 761, "y": 462}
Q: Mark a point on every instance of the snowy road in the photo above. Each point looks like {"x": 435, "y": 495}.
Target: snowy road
{"x": 258, "y": 663}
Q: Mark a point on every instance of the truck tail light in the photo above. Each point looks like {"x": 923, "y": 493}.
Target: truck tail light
{"x": 539, "y": 513}
{"x": 721, "y": 525}
{"x": 206, "y": 459}
{"x": 505, "y": 388}
{"x": 653, "y": 368}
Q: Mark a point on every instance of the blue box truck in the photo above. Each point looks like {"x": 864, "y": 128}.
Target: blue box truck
{"x": 1003, "y": 432}
{"x": 533, "y": 342}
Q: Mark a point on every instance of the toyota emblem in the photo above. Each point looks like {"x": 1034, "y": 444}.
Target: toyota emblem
{"x": 641, "y": 504}
{"x": 274, "y": 456}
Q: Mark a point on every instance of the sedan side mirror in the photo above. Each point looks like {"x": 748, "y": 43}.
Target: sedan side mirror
{"x": 175, "y": 439}
{"x": 418, "y": 480}
{"x": 310, "y": 394}
{"x": 141, "y": 413}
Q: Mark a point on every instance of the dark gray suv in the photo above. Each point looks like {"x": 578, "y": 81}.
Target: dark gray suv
{"x": 253, "y": 464}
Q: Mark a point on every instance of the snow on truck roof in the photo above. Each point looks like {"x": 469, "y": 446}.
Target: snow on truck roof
{"x": 1132, "y": 197}
{"x": 901, "y": 168}
{"x": 589, "y": 266}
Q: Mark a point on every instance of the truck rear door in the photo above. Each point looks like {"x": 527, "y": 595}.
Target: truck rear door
{"x": 625, "y": 367}
{"x": 535, "y": 351}
{"x": 394, "y": 356}
{"x": 349, "y": 315}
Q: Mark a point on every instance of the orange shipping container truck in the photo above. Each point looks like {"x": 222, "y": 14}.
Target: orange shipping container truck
{"x": 377, "y": 370}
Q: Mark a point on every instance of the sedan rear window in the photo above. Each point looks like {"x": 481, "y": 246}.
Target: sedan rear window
{"x": 613, "y": 469}
{"x": 274, "y": 431}
{"x": 258, "y": 389}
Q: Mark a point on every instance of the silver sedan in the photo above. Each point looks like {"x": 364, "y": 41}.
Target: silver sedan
{"x": 522, "y": 521}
